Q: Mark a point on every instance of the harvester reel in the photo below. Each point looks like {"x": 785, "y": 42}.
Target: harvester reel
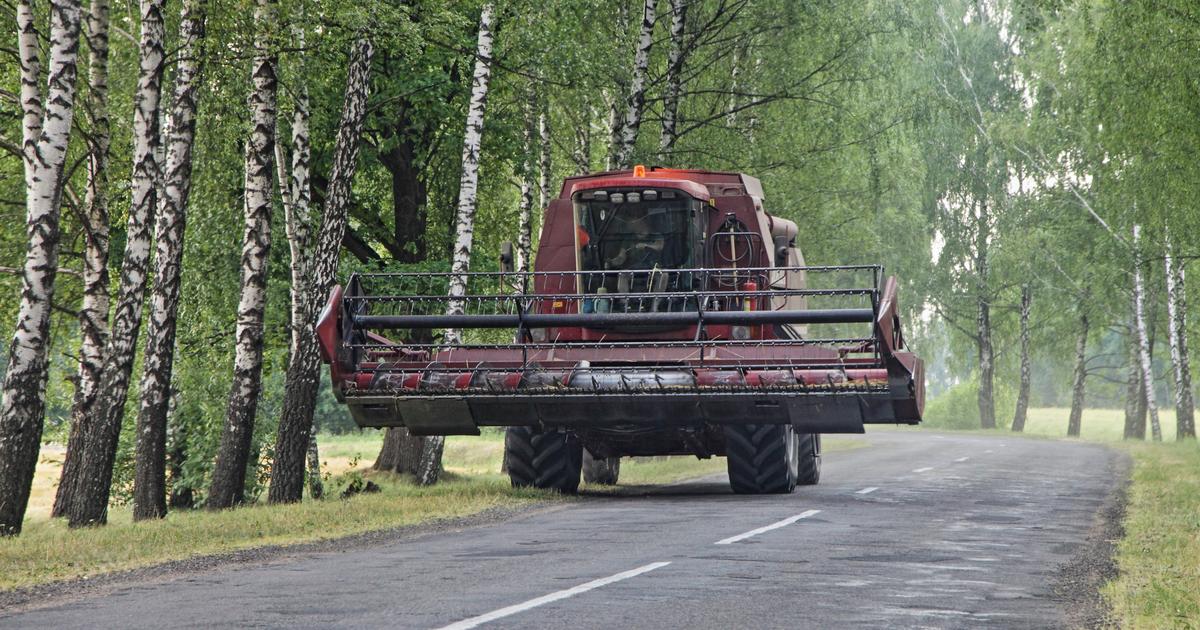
{"x": 550, "y": 460}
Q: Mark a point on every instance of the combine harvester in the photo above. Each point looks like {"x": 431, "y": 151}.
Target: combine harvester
{"x": 667, "y": 314}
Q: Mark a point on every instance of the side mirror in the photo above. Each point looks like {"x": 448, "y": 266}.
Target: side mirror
{"x": 506, "y": 257}
{"x": 782, "y": 245}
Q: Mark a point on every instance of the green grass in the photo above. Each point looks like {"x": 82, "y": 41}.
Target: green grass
{"x": 48, "y": 550}
{"x": 1159, "y": 559}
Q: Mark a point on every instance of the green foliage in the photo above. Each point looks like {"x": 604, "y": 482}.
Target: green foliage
{"x": 958, "y": 407}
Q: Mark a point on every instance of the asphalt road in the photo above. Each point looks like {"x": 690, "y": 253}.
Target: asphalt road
{"x": 917, "y": 530}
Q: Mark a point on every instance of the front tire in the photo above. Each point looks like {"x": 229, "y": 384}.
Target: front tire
{"x": 809, "y": 455}
{"x": 762, "y": 458}
{"x": 602, "y": 471}
{"x": 550, "y": 460}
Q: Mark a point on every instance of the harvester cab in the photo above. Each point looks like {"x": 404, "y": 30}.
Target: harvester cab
{"x": 667, "y": 314}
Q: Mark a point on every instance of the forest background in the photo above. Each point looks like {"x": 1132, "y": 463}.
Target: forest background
{"x": 1025, "y": 167}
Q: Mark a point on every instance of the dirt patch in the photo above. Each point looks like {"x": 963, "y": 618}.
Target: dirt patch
{"x": 56, "y": 593}
{"x": 1078, "y": 581}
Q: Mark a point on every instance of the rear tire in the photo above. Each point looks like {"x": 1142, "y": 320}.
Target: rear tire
{"x": 762, "y": 458}
{"x": 810, "y": 459}
{"x": 602, "y": 471}
{"x": 550, "y": 460}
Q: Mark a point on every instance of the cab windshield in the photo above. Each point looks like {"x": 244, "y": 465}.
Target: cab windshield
{"x": 639, "y": 236}
{"x": 638, "y": 230}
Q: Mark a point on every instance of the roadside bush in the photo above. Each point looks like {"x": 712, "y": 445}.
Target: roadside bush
{"x": 958, "y": 407}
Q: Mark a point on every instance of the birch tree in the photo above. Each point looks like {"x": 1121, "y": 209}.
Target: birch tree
{"x": 93, "y": 312}
{"x": 45, "y": 133}
{"x": 666, "y": 142}
{"x": 1185, "y": 423}
{"x": 1022, "y": 410}
{"x": 229, "y": 473}
{"x": 545, "y": 155}
{"x": 295, "y": 427}
{"x": 149, "y": 489}
{"x": 636, "y": 100}
{"x": 430, "y": 465}
{"x": 88, "y": 500}
{"x": 528, "y": 181}
{"x": 1079, "y": 376}
{"x": 1144, "y": 362}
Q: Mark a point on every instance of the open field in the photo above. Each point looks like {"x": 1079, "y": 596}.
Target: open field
{"x": 1098, "y": 425}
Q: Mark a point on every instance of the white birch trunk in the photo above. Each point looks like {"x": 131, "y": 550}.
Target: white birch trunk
{"x": 666, "y": 142}
{"x": 615, "y": 100}
{"x": 93, "y": 310}
{"x": 545, "y": 172}
{"x": 581, "y": 154}
{"x": 1079, "y": 380}
{"x": 31, "y": 93}
{"x": 1144, "y": 360}
{"x": 528, "y": 181}
{"x": 430, "y": 466}
{"x": 150, "y": 493}
{"x": 23, "y": 404}
{"x": 295, "y": 437}
{"x": 1022, "y": 409}
{"x": 636, "y": 102}
{"x": 1177, "y": 334}
{"x": 735, "y": 82}
{"x": 88, "y": 502}
{"x": 468, "y": 187}
{"x": 229, "y": 474}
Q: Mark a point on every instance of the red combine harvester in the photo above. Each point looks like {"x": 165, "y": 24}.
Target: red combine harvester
{"x": 667, "y": 314}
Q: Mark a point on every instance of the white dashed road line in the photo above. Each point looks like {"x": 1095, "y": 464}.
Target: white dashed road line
{"x": 552, "y": 597}
{"x": 754, "y": 532}
{"x": 867, "y": 490}
{"x": 925, "y": 469}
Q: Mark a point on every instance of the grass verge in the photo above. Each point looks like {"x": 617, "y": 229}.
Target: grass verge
{"x": 49, "y": 551}
{"x": 1158, "y": 583}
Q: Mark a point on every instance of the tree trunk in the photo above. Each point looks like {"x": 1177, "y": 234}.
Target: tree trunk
{"x": 615, "y": 100}
{"x": 150, "y": 482}
{"x": 229, "y": 474}
{"x": 93, "y": 312}
{"x": 401, "y": 452}
{"x": 287, "y": 472}
{"x": 468, "y": 187}
{"x": 1078, "y": 386}
{"x": 545, "y": 172}
{"x": 528, "y": 181}
{"x": 1019, "y": 416}
{"x": 316, "y": 486}
{"x": 88, "y": 503}
{"x": 1135, "y": 425}
{"x": 636, "y": 102}
{"x": 666, "y": 142}
{"x": 581, "y": 154}
{"x": 1143, "y": 338}
{"x": 986, "y": 352}
{"x": 464, "y": 229}
{"x": 1185, "y": 423}
{"x": 300, "y": 394}
{"x": 45, "y": 138}
{"x": 408, "y": 197}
